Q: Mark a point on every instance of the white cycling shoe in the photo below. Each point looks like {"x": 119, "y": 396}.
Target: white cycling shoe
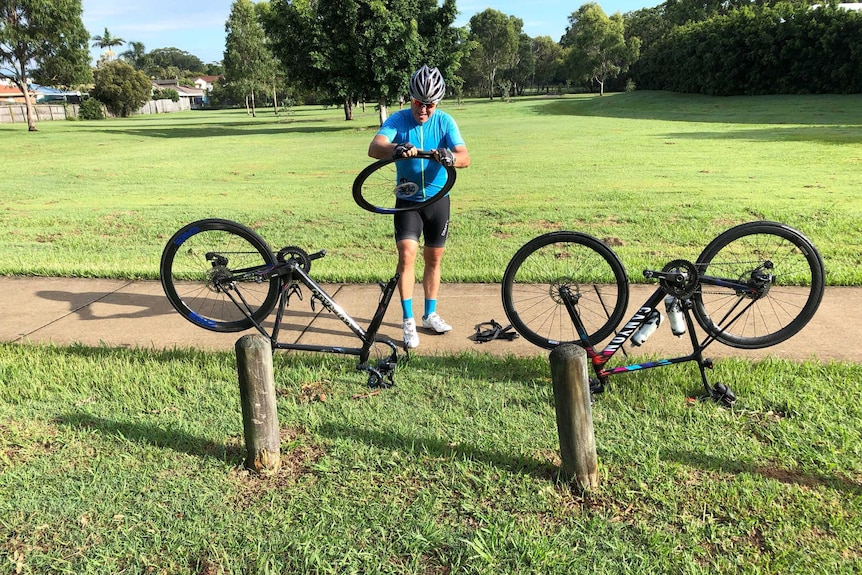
{"x": 435, "y": 322}
{"x": 411, "y": 338}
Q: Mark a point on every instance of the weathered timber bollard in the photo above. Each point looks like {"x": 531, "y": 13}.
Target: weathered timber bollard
{"x": 574, "y": 415}
{"x": 257, "y": 395}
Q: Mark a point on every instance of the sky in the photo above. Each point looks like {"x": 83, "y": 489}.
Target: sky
{"x": 197, "y": 26}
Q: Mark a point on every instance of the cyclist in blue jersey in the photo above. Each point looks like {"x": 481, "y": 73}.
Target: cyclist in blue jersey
{"x": 421, "y": 127}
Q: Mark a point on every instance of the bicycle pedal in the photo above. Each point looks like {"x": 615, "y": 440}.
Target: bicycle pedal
{"x": 596, "y": 386}
{"x": 720, "y": 393}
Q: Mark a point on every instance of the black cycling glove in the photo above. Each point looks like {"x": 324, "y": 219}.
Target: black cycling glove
{"x": 402, "y": 149}
{"x": 445, "y": 156}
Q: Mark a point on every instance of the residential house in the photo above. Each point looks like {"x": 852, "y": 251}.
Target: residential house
{"x": 10, "y": 94}
{"x": 194, "y": 95}
{"x": 205, "y": 82}
{"x": 49, "y": 95}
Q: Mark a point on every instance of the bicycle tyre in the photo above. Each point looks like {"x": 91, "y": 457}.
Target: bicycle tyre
{"x": 582, "y": 262}
{"x": 374, "y": 189}
{"x": 188, "y": 277}
{"x": 786, "y": 306}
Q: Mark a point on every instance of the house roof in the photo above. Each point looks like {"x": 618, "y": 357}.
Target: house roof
{"x": 10, "y": 91}
{"x": 49, "y": 91}
{"x": 183, "y": 91}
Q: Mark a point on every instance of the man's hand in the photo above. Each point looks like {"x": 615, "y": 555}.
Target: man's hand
{"x": 445, "y": 156}
{"x": 404, "y": 150}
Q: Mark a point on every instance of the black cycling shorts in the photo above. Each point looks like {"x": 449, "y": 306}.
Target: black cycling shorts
{"x": 431, "y": 220}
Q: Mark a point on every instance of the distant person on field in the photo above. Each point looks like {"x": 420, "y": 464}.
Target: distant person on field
{"x": 422, "y": 127}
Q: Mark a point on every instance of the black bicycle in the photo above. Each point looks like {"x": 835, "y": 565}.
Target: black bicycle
{"x": 754, "y": 286}
{"x": 222, "y": 276}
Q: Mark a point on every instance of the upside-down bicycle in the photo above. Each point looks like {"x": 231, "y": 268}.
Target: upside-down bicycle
{"x": 223, "y": 276}
{"x": 754, "y": 286}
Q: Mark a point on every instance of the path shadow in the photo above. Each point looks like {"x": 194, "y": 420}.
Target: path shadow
{"x": 147, "y": 305}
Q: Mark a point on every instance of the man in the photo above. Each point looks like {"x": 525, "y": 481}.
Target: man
{"x": 422, "y": 127}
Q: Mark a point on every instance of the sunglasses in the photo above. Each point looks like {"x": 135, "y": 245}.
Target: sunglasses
{"x": 426, "y": 105}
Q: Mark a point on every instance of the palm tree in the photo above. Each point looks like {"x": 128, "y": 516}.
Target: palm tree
{"x": 135, "y": 55}
{"x": 107, "y": 41}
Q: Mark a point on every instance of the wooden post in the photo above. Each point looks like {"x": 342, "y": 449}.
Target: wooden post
{"x": 257, "y": 395}
{"x": 574, "y": 415}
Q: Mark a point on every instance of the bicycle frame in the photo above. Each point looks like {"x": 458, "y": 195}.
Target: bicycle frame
{"x": 600, "y": 359}
{"x": 290, "y": 272}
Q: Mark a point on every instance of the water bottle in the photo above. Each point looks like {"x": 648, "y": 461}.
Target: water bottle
{"x": 647, "y": 329}
{"x": 674, "y": 314}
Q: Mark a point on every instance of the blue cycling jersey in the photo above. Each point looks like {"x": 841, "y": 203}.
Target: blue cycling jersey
{"x": 439, "y": 131}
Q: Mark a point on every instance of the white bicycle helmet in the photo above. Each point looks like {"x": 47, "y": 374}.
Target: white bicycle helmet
{"x": 427, "y": 85}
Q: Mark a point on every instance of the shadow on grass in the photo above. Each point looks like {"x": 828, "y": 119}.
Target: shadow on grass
{"x": 818, "y": 110}
{"x": 388, "y": 440}
{"x": 166, "y": 437}
{"x": 782, "y": 475}
{"x": 217, "y": 131}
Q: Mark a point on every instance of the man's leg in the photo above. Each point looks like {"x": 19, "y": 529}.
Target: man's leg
{"x": 407, "y": 250}
{"x": 431, "y": 274}
{"x": 431, "y": 286}
{"x": 406, "y": 268}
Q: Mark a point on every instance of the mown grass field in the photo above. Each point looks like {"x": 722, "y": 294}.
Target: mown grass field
{"x": 660, "y": 173}
{"x": 130, "y": 460}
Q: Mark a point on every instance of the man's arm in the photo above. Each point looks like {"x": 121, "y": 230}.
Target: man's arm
{"x": 462, "y": 156}
{"x": 382, "y": 148}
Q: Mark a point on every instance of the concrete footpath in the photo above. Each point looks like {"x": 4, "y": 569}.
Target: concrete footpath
{"x": 122, "y": 313}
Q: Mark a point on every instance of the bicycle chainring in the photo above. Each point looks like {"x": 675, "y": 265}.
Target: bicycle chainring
{"x": 688, "y": 278}
{"x": 297, "y": 255}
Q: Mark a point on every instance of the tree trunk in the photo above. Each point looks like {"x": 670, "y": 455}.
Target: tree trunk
{"x": 275, "y": 99}
{"x": 383, "y": 111}
{"x": 31, "y": 109}
{"x": 253, "y": 109}
{"x": 247, "y": 109}
{"x": 348, "y": 109}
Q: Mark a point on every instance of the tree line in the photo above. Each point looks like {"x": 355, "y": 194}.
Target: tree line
{"x": 358, "y": 52}
{"x": 348, "y": 52}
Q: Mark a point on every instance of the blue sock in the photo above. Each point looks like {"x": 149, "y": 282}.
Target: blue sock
{"x": 407, "y": 308}
{"x": 430, "y": 307}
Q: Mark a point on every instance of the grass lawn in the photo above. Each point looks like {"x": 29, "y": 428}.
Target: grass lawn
{"x": 660, "y": 173}
{"x": 130, "y": 460}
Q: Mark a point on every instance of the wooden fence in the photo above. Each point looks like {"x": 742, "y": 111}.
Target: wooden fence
{"x": 17, "y": 113}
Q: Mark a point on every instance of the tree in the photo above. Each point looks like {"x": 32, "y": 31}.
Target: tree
{"x": 45, "y": 37}
{"x": 107, "y": 41}
{"x": 362, "y": 50}
{"x": 549, "y": 56}
{"x": 596, "y": 44}
{"x": 163, "y": 58}
{"x": 496, "y": 38}
{"x": 524, "y": 70}
{"x": 248, "y": 62}
{"x": 121, "y": 88}
{"x": 136, "y": 56}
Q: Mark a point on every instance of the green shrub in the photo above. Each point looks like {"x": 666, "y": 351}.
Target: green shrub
{"x": 166, "y": 94}
{"x": 122, "y": 88}
{"x": 91, "y": 109}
